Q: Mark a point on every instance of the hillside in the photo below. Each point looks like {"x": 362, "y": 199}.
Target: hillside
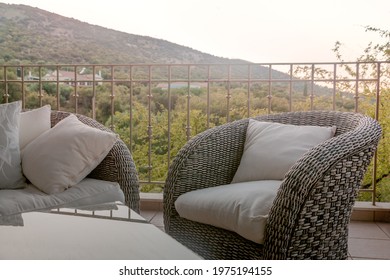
{"x": 31, "y": 35}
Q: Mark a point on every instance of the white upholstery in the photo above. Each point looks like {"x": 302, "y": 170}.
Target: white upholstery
{"x": 32, "y": 124}
{"x": 271, "y": 149}
{"x": 241, "y": 207}
{"x": 11, "y": 176}
{"x": 62, "y": 156}
{"x": 88, "y": 192}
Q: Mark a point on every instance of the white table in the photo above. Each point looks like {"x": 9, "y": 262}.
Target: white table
{"x": 108, "y": 235}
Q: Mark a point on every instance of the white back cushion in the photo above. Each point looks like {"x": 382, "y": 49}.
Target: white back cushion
{"x": 62, "y": 156}
{"x": 271, "y": 149}
{"x": 32, "y": 124}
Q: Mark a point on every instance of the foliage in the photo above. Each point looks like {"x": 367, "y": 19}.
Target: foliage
{"x": 383, "y": 161}
{"x": 372, "y": 53}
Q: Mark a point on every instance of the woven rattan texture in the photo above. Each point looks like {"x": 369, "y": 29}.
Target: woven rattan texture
{"x": 118, "y": 165}
{"x": 310, "y": 215}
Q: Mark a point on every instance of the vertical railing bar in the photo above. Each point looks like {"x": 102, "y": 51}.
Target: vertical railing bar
{"x": 334, "y": 85}
{"x": 58, "y": 88}
{"x": 249, "y": 90}
{"x": 93, "y": 92}
{"x": 188, "y": 128}
{"x": 5, "y": 95}
{"x": 312, "y": 87}
{"x": 112, "y": 96}
{"x": 290, "y": 88}
{"x": 269, "y": 88}
{"x": 208, "y": 95}
{"x": 23, "y": 89}
{"x": 76, "y": 95}
{"x": 131, "y": 108}
{"x": 357, "y": 87}
{"x": 228, "y": 94}
{"x": 375, "y": 160}
{"x": 40, "y": 86}
{"x": 169, "y": 113}
{"x": 150, "y": 123}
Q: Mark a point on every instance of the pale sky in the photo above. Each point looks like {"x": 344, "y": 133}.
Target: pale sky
{"x": 255, "y": 30}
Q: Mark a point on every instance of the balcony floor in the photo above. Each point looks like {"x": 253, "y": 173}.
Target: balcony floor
{"x": 367, "y": 240}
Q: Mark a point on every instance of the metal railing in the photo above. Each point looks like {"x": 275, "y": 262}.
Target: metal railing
{"x": 156, "y": 108}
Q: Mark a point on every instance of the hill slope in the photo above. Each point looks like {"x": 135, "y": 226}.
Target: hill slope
{"x": 32, "y": 35}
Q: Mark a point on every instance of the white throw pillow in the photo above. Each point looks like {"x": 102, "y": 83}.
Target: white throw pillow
{"x": 271, "y": 149}
{"x": 242, "y": 208}
{"x": 62, "y": 156}
{"x": 11, "y": 176}
{"x": 32, "y": 124}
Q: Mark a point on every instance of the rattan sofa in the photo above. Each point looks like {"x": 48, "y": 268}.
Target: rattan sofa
{"x": 118, "y": 165}
{"x": 311, "y": 212}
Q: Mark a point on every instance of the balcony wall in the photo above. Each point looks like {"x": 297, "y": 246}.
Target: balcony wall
{"x": 157, "y": 108}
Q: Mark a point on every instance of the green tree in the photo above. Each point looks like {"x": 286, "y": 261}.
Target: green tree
{"x": 372, "y": 53}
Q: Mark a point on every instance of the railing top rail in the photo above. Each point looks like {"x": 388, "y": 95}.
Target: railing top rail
{"x": 196, "y": 64}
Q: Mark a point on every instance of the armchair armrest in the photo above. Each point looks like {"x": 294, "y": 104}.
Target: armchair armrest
{"x": 314, "y": 203}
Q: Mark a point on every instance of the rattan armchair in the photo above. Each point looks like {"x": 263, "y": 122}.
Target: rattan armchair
{"x": 311, "y": 212}
{"x": 118, "y": 165}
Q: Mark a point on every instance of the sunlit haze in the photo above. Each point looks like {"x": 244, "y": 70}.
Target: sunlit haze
{"x": 253, "y": 30}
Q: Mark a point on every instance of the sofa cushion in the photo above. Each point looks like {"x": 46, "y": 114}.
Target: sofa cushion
{"x": 65, "y": 154}
{"x": 271, "y": 149}
{"x": 11, "y": 176}
{"x": 87, "y": 193}
{"x": 32, "y": 124}
{"x": 242, "y": 208}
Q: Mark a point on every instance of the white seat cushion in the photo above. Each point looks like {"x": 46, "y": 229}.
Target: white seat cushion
{"x": 89, "y": 192}
{"x": 241, "y": 207}
{"x": 271, "y": 149}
